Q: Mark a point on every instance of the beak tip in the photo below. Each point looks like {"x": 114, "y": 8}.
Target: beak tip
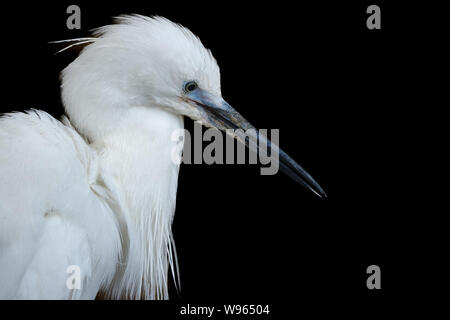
{"x": 317, "y": 189}
{"x": 321, "y": 194}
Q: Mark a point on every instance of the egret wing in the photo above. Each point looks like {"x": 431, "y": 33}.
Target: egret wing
{"x": 53, "y": 218}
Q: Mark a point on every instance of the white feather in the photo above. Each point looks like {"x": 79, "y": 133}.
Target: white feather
{"x": 51, "y": 217}
{"x": 99, "y": 191}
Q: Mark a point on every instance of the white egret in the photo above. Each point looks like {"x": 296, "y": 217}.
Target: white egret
{"x": 97, "y": 190}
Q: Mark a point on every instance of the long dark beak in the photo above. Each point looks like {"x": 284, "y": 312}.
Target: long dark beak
{"x": 218, "y": 113}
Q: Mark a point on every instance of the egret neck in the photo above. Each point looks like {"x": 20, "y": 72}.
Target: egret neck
{"x": 135, "y": 161}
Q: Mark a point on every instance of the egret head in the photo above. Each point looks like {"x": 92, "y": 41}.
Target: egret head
{"x": 155, "y": 63}
{"x": 140, "y": 62}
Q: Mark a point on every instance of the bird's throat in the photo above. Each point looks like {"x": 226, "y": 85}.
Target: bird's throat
{"x": 142, "y": 176}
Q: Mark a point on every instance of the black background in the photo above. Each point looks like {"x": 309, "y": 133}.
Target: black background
{"x": 362, "y": 110}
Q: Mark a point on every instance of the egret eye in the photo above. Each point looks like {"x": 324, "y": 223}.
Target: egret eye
{"x": 190, "y": 86}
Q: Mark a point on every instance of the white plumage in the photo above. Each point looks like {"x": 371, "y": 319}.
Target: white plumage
{"x": 98, "y": 191}
{"x": 101, "y": 196}
{"x": 53, "y": 210}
